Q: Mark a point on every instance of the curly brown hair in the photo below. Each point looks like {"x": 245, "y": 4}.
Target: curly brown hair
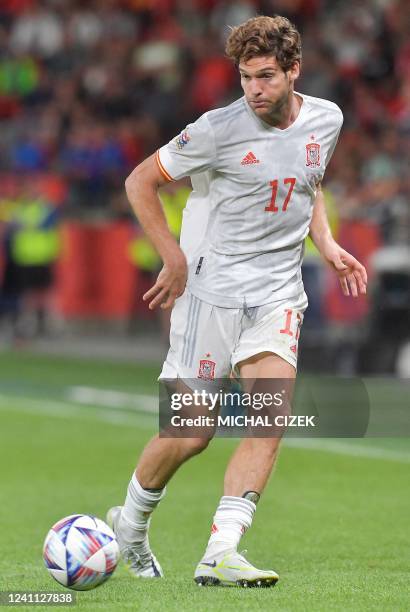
{"x": 263, "y": 35}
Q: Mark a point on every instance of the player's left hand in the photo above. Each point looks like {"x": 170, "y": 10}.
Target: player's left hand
{"x": 352, "y": 274}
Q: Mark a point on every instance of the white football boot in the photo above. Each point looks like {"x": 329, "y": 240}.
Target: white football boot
{"x": 137, "y": 556}
{"x": 230, "y": 568}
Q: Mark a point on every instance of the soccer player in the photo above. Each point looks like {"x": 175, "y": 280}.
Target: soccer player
{"x": 256, "y": 168}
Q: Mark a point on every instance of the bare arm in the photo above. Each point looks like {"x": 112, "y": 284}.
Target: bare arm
{"x": 351, "y": 272}
{"x": 142, "y": 190}
{"x": 319, "y": 229}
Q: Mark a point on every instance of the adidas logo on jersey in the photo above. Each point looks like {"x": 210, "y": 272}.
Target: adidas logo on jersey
{"x": 249, "y": 159}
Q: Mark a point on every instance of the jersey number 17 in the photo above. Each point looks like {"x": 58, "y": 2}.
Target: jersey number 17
{"x": 290, "y": 183}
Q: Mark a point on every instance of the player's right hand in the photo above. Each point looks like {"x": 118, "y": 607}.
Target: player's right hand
{"x": 170, "y": 283}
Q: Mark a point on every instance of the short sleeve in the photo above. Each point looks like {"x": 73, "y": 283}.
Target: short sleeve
{"x": 191, "y": 152}
{"x": 335, "y": 137}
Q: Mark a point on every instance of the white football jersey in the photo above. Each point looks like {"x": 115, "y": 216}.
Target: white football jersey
{"x": 254, "y": 186}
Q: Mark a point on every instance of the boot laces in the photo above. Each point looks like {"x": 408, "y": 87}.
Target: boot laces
{"x": 137, "y": 559}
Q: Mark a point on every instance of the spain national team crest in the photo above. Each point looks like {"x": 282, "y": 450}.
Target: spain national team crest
{"x": 313, "y": 154}
{"x": 182, "y": 140}
{"x": 206, "y": 369}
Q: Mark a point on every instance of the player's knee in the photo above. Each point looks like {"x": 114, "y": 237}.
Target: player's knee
{"x": 194, "y": 446}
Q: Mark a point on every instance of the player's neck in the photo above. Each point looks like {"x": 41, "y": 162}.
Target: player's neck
{"x": 287, "y": 113}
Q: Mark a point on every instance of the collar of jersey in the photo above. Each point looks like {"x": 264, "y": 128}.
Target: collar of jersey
{"x": 271, "y": 128}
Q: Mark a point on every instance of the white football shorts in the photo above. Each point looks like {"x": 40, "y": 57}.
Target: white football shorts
{"x": 207, "y": 342}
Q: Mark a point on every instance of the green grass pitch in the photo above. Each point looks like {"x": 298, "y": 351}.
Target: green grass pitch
{"x": 333, "y": 522}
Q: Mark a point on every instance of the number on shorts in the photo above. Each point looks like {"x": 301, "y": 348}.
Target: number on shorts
{"x": 288, "y": 322}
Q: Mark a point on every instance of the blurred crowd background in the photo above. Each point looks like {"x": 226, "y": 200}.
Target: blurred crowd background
{"x": 88, "y": 89}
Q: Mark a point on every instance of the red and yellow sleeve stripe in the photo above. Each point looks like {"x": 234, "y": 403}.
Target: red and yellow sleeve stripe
{"x": 164, "y": 173}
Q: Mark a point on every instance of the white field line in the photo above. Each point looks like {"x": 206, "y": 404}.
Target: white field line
{"x": 61, "y": 409}
{"x": 352, "y": 448}
{"x": 112, "y": 399}
{"x": 114, "y": 413}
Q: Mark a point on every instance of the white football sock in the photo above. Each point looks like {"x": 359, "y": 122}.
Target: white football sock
{"x": 138, "y": 507}
{"x": 232, "y": 518}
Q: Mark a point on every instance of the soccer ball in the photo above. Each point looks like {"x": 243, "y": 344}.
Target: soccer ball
{"x": 81, "y": 552}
